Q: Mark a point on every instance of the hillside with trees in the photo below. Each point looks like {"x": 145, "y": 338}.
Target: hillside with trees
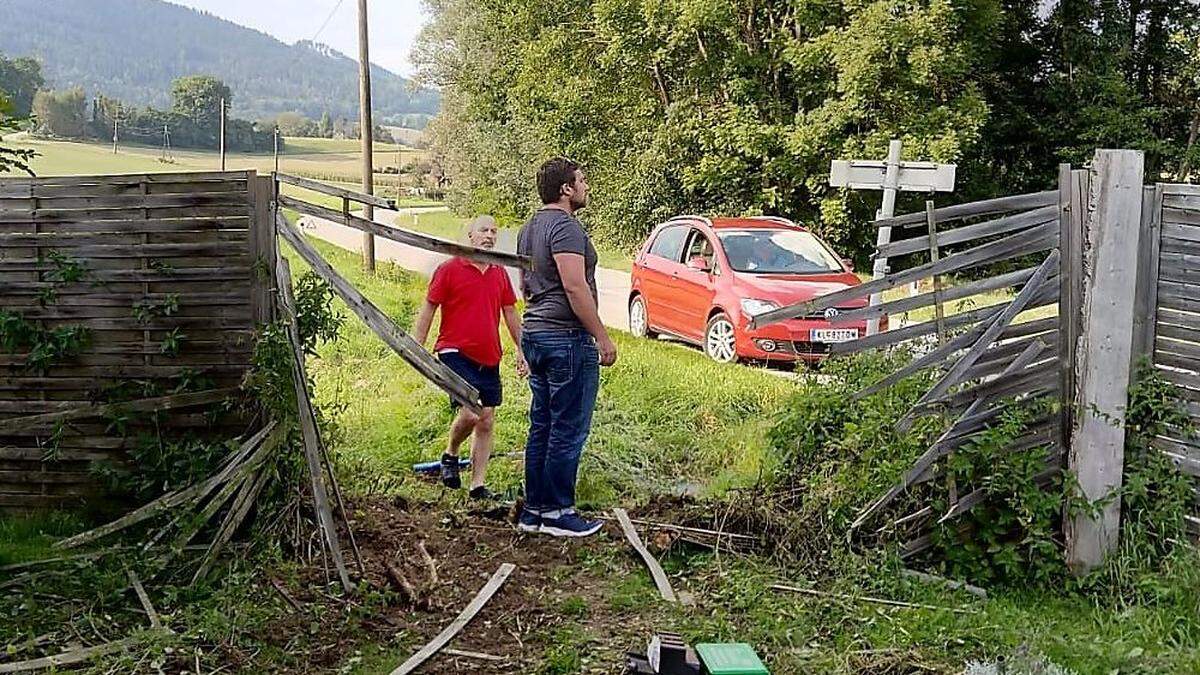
{"x": 738, "y": 106}
{"x": 133, "y": 49}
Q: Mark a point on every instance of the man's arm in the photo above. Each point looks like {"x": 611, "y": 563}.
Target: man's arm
{"x": 579, "y": 294}
{"x": 513, "y": 322}
{"x": 423, "y": 322}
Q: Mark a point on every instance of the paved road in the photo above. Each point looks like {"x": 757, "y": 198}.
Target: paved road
{"x": 612, "y": 286}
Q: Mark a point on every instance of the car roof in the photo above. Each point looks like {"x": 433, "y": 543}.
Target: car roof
{"x": 741, "y": 223}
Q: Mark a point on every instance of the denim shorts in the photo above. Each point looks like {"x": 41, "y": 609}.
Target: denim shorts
{"x": 485, "y": 379}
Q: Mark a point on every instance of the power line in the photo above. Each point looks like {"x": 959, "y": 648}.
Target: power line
{"x": 327, "y": 20}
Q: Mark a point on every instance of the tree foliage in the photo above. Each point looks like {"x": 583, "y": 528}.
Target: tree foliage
{"x": 20, "y": 78}
{"x": 61, "y": 113}
{"x": 737, "y": 106}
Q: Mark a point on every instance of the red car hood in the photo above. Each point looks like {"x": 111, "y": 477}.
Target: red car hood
{"x": 789, "y": 289}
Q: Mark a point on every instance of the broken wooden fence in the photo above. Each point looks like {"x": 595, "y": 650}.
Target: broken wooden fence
{"x": 158, "y": 271}
{"x": 979, "y": 356}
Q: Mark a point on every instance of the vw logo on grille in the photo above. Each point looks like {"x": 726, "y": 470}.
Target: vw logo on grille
{"x": 832, "y": 313}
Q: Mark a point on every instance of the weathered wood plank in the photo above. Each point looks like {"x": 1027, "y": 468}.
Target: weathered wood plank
{"x": 1181, "y": 232}
{"x": 970, "y": 210}
{"x": 317, "y": 186}
{"x": 656, "y": 571}
{"x": 308, "y": 425}
{"x": 262, "y": 248}
{"x": 464, "y": 617}
{"x": 126, "y": 178}
{"x": 1146, "y": 304}
{"x": 36, "y": 205}
{"x": 143, "y": 405}
{"x": 1027, "y": 242}
{"x": 240, "y": 221}
{"x": 1098, "y": 442}
{"x": 991, "y": 228}
{"x": 1177, "y": 318}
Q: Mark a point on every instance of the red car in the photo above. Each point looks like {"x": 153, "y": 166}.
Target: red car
{"x": 700, "y": 279}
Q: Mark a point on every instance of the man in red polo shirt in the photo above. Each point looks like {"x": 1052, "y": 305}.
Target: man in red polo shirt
{"x": 472, "y": 296}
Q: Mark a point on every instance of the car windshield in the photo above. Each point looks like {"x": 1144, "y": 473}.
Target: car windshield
{"x": 769, "y": 251}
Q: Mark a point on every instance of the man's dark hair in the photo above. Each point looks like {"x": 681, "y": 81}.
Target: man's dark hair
{"x": 553, "y": 174}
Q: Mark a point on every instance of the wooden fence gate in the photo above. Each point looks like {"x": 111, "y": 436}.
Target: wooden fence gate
{"x": 1106, "y": 271}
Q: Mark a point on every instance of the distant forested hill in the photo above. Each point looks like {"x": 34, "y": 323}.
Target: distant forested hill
{"x": 133, "y": 49}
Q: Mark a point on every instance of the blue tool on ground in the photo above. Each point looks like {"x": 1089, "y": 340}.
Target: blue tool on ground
{"x": 436, "y": 465}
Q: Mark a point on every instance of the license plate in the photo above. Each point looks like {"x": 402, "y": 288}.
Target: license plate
{"x": 833, "y": 334}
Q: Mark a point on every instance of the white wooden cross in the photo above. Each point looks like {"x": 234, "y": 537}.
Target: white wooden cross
{"x": 890, "y": 175}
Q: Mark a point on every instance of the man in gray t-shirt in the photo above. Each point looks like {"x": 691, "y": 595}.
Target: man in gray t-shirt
{"x": 565, "y": 344}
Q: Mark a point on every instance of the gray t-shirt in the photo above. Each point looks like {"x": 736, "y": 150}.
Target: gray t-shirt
{"x": 552, "y": 231}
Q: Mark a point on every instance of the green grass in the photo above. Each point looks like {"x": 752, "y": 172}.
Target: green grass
{"x": 666, "y": 415}
{"x": 327, "y": 159}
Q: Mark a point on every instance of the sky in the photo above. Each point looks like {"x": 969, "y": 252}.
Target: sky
{"x": 393, "y": 24}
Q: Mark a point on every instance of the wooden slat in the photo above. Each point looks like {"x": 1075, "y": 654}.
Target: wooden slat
{"x": 70, "y": 240}
{"x": 1178, "y": 318}
{"x": 464, "y": 617}
{"x": 1023, "y": 243}
{"x": 143, "y": 405}
{"x": 133, "y": 213}
{"x": 973, "y": 209}
{"x": 1174, "y": 214}
{"x": 410, "y": 238}
{"x": 317, "y": 186}
{"x": 949, "y": 294}
{"x": 126, "y": 178}
{"x": 656, "y": 571}
{"x": 240, "y": 221}
{"x": 36, "y": 205}
{"x": 991, "y": 228}
{"x": 48, "y": 191}
{"x": 1179, "y": 361}
{"x": 1181, "y": 232}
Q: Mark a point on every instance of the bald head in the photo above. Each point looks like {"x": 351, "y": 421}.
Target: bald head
{"x": 482, "y": 231}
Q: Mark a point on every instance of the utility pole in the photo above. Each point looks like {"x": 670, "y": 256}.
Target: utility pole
{"x": 365, "y": 131}
{"x": 222, "y": 133}
{"x": 276, "y": 148}
{"x": 116, "y": 114}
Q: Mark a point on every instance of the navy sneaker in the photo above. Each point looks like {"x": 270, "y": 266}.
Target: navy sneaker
{"x": 450, "y": 472}
{"x": 570, "y": 525}
{"x": 529, "y": 521}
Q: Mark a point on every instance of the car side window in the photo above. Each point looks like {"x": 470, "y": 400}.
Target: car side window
{"x": 699, "y": 246}
{"x": 669, "y": 242}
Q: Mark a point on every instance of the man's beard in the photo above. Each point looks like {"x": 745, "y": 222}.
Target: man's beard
{"x": 578, "y": 205}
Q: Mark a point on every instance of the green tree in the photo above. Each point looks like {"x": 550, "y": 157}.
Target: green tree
{"x": 20, "y": 79}
{"x": 12, "y": 159}
{"x": 198, "y": 98}
{"x": 60, "y": 113}
{"x": 325, "y": 128}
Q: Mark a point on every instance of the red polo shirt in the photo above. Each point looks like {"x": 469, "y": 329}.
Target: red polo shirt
{"x": 471, "y": 301}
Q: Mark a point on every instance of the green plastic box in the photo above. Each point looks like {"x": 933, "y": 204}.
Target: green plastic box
{"x": 736, "y": 658}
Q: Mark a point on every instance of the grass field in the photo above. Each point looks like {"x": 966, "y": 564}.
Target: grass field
{"x": 323, "y": 158}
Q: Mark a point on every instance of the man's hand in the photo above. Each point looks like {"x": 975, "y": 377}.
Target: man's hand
{"x": 608, "y": 351}
{"x": 522, "y": 366}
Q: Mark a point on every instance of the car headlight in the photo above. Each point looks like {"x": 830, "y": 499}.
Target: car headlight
{"x": 752, "y": 307}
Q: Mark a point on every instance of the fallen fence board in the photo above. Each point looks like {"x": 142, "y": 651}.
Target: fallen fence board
{"x": 656, "y": 571}
{"x": 925, "y": 299}
{"x": 464, "y": 617}
{"x": 142, "y": 405}
{"x": 317, "y": 186}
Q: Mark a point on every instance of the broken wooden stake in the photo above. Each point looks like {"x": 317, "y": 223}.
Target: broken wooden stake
{"x": 308, "y": 425}
{"x": 948, "y": 583}
{"x": 68, "y": 657}
{"x": 475, "y": 655}
{"x": 443, "y": 638}
{"x": 144, "y": 598}
{"x": 656, "y": 570}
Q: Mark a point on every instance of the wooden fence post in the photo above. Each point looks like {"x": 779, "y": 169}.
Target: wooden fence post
{"x": 1097, "y": 449}
{"x": 1145, "y": 313}
{"x": 263, "y": 246}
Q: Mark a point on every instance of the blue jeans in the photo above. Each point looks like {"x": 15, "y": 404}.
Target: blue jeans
{"x": 564, "y": 376}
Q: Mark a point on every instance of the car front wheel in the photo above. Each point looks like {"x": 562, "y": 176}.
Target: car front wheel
{"x": 719, "y": 339}
{"x": 639, "y": 319}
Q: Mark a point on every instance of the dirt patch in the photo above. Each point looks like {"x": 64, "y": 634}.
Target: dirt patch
{"x": 569, "y": 606}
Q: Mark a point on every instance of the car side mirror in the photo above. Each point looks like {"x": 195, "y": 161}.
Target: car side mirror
{"x": 848, "y": 263}
{"x": 699, "y": 263}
